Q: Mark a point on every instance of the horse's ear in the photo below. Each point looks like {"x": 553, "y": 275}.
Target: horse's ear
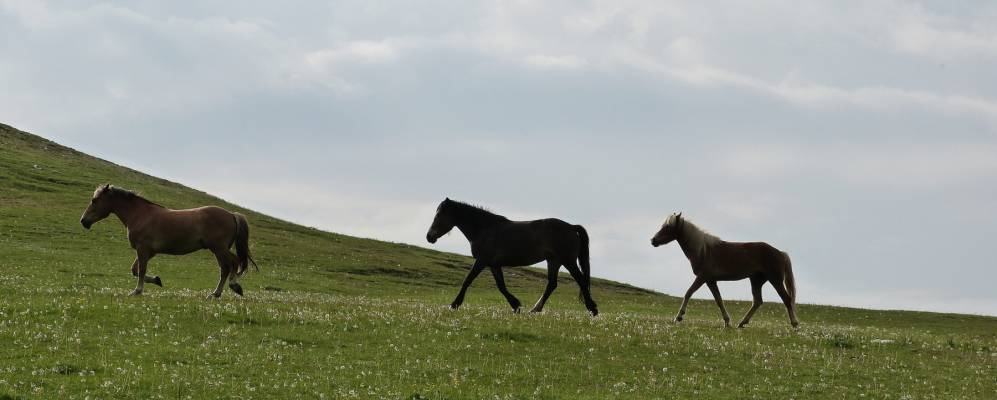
{"x": 446, "y": 200}
{"x": 679, "y": 215}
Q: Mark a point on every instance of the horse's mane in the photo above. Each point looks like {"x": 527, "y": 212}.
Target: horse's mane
{"x": 122, "y": 193}
{"x": 475, "y": 214}
{"x": 696, "y": 238}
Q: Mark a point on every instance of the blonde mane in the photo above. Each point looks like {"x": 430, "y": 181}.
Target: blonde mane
{"x": 696, "y": 238}
{"x": 115, "y": 191}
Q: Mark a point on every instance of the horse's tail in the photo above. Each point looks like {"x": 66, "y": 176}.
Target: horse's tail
{"x": 242, "y": 244}
{"x": 583, "y": 258}
{"x": 790, "y": 281}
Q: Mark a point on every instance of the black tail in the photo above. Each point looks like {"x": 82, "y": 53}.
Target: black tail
{"x": 583, "y": 258}
{"x": 242, "y": 244}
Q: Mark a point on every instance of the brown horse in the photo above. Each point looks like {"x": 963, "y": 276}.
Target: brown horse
{"x": 715, "y": 260}
{"x": 154, "y": 229}
{"x": 497, "y": 242}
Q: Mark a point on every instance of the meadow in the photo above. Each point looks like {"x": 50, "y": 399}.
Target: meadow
{"x": 333, "y": 316}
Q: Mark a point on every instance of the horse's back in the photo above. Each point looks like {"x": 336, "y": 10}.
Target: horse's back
{"x": 187, "y": 230}
{"x": 205, "y": 211}
{"x": 739, "y": 260}
{"x": 520, "y": 243}
{"x": 758, "y": 250}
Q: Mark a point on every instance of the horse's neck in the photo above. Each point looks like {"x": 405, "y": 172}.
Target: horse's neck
{"x": 693, "y": 241}
{"x": 473, "y": 230}
{"x": 687, "y": 248}
{"x": 470, "y": 231}
{"x": 132, "y": 212}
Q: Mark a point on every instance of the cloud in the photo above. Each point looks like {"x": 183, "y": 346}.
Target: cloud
{"x": 919, "y": 165}
{"x": 920, "y": 33}
{"x": 811, "y": 94}
{"x": 324, "y": 66}
{"x": 121, "y": 63}
{"x": 353, "y": 51}
{"x": 555, "y": 63}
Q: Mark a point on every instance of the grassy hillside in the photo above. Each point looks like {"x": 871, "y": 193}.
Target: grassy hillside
{"x": 332, "y": 316}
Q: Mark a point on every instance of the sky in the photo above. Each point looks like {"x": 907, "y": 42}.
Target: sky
{"x": 858, "y": 136}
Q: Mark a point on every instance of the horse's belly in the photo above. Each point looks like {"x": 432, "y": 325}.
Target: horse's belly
{"x": 516, "y": 261}
{"x": 728, "y": 276}
{"x": 178, "y": 247}
{"x": 509, "y": 250}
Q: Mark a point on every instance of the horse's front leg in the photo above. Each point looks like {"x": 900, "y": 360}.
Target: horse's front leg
{"x": 720, "y": 302}
{"x": 475, "y": 270}
{"x": 688, "y": 294}
{"x": 139, "y": 268}
{"x": 500, "y": 282}
{"x": 148, "y": 279}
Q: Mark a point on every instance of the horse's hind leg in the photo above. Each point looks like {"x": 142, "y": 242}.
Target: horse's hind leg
{"x": 756, "y": 295}
{"x": 696, "y": 284}
{"x": 233, "y": 276}
{"x": 500, "y": 282}
{"x": 224, "y": 267}
{"x": 475, "y": 270}
{"x": 720, "y": 302}
{"x": 148, "y": 279}
{"x": 786, "y": 299}
{"x": 576, "y": 273}
{"x": 552, "y": 268}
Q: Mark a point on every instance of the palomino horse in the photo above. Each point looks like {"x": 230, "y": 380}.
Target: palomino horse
{"x": 154, "y": 229}
{"x": 715, "y": 260}
{"x": 497, "y": 242}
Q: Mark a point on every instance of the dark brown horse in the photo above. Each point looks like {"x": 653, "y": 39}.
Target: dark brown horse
{"x": 154, "y": 229}
{"x": 715, "y": 260}
{"x": 497, "y": 242}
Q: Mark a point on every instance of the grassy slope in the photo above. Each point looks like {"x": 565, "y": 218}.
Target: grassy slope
{"x": 336, "y": 316}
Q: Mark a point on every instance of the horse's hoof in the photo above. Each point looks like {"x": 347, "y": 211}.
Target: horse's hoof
{"x": 213, "y": 296}
{"x": 158, "y": 282}
{"x": 515, "y": 310}
{"x": 135, "y": 293}
{"x": 237, "y": 288}
{"x": 594, "y": 312}
{"x": 678, "y": 319}
{"x": 741, "y": 326}
{"x": 796, "y": 325}
{"x": 454, "y": 307}
{"x": 535, "y": 310}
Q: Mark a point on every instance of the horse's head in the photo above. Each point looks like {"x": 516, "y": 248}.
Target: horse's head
{"x": 443, "y": 222}
{"x": 99, "y": 208}
{"x": 669, "y": 231}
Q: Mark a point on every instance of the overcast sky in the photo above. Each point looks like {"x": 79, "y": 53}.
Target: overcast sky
{"x": 858, "y": 136}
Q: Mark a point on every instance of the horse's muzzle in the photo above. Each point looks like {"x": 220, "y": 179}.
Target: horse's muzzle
{"x": 430, "y": 239}
{"x": 86, "y": 224}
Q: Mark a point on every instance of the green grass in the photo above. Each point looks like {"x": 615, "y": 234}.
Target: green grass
{"x": 331, "y": 316}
